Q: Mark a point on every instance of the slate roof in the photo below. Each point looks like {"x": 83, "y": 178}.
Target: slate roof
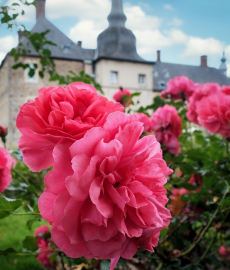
{"x": 65, "y": 49}
{"x": 117, "y": 42}
{"x": 163, "y": 72}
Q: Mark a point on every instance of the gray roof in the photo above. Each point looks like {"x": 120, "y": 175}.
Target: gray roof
{"x": 65, "y": 49}
{"x": 163, "y": 72}
{"x": 117, "y": 42}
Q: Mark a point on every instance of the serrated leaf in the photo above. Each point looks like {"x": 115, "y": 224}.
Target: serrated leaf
{"x": 30, "y": 243}
{"x": 9, "y": 206}
{"x": 7, "y": 251}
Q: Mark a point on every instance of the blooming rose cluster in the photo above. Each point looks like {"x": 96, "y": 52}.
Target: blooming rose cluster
{"x": 43, "y": 243}
{"x": 167, "y": 126}
{"x": 123, "y": 96}
{"x": 105, "y": 195}
{"x": 209, "y": 107}
{"x": 179, "y": 88}
{"x": 6, "y": 163}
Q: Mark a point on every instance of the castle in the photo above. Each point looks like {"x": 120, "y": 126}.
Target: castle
{"x": 114, "y": 63}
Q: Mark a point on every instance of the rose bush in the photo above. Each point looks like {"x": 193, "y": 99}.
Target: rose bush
{"x": 58, "y": 113}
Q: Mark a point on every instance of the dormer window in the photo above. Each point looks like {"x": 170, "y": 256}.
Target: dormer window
{"x": 166, "y": 73}
{"x": 162, "y": 84}
{"x": 66, "y": 48}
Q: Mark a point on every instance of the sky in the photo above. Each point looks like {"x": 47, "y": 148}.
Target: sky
{"x": 182, "y": 29}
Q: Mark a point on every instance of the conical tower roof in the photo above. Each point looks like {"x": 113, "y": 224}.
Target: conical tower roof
{"x": 117, "y": 42}
{"x": 223, "y": 66}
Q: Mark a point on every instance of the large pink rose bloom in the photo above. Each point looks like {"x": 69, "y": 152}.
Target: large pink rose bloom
{"x": 147, "y": 122}
{"x": 202, "y": 92}
{"x": 58, "y": 113}
{"x": 214, "y": 113}
{"x": 105, "y": 196}
{"x": 6, "y": 163}
{"x": 167, "y": 126}
{"x": 179, "y": 88}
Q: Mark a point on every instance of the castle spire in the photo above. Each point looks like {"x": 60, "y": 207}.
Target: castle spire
{"x": 223, "y": 66}
{"x": 117, "y": 17}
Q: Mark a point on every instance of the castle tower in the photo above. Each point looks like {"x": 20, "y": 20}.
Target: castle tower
{"x": 223, "y": 66}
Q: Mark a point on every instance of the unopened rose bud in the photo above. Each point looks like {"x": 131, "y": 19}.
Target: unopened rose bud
{"x": 3, "y": 133}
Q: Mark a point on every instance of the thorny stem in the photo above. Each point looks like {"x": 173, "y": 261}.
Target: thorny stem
{"x": 208, "y": 225}
{"x": 169, "y": 235}
{"x": 207, "y": 249}
{"x": 36, "y": 253}
{"x": 23, "y": 214}
{"x": 160, "y": 266}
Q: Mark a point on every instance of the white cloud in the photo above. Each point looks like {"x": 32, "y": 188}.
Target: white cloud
{"x": 197, "y": 46}
{"x": 176, "y": 22}
{"x": 137, "y": 19}
{"x": 149, "y": 41}
{"x": 81, "y": 9}
{"x": 7, "y": 43}
{"x": 29, "y": 15}
{"x": 168, "y": 7}
{"x": 88, "y": 30}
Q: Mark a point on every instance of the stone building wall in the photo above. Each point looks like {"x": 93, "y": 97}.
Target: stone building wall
{"x": 15, "y": 90}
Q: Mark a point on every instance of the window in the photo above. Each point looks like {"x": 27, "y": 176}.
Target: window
{"x": 166, "y": 73}
{"x": 161, "y": 84}
{"x": 141, "y": 80}
{"x": 114, "y": 77}
{"x": 66, "y": 48}
{"x": 31, "y": 71}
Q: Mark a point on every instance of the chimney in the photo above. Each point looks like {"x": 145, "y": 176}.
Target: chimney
{"x": 79, "y": 43}
{"x": 158, "y": 56}
{"x": 204, "y": 61}
{"x": 40, "y": 8}
{"x": 20, "y": 35}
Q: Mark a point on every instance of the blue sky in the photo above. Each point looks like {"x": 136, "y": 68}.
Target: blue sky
{"x": 182, "y": 29}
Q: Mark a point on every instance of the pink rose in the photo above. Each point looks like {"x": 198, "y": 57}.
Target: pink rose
{"x": 43, "y": 244}
{"x": 147, "y": 121}
{"x": 6, "y": 163}
{"x": 179, "y": 88}
{"x": 202, "y": 92}
{"x": 39, "y": 232}
{"x": 214, "y": 113}
{"x": 105, "y": 196}
{"x": 167, "y": 126}
{"x": 44, "y": 257}
{"x": 225, "y": 251}
{"x": 59, "y": 113}
{"x": 123, "y": 96}
{"x": 225, "y": 89}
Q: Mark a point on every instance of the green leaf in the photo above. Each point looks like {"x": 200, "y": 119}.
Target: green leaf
{"x": 225, "y": 202}
{"x": 8, "y": 205}
{"x": 30, "y": 243}
{"x": 163, "y": 232}
{"x": 136, "y": 94}
{"x": 7, "y": 251}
